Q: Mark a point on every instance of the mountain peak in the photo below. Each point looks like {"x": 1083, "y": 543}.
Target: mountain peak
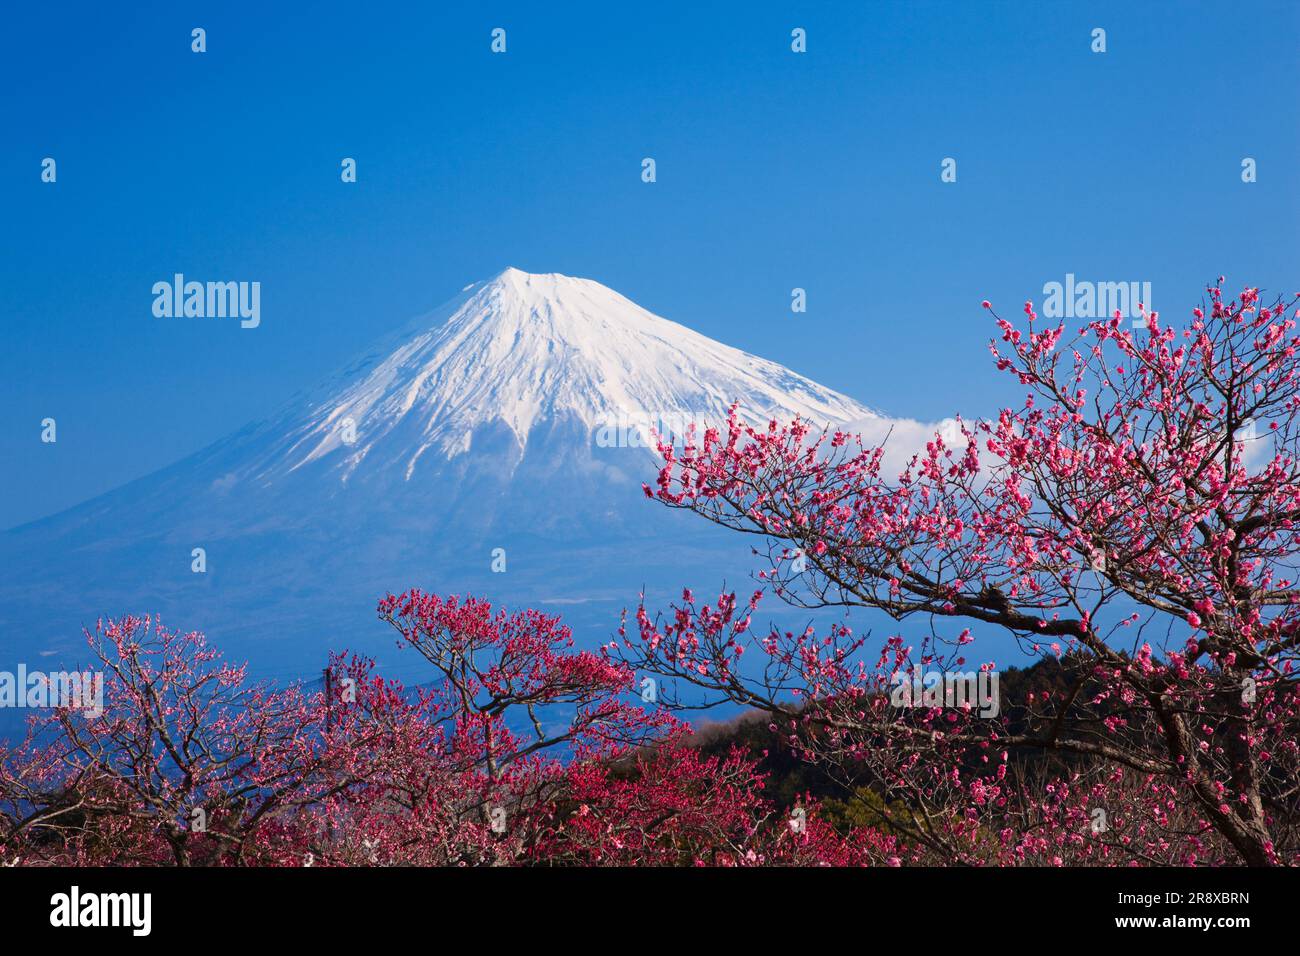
{"x": 549, "y": 297}
{"x": 521, "y": 350}
{"x": 513, "y": 281}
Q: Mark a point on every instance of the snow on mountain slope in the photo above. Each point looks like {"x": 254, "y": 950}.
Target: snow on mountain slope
{"x": 523, "y": 349}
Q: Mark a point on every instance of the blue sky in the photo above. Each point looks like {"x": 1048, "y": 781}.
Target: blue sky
{"x": 775, "y": 170}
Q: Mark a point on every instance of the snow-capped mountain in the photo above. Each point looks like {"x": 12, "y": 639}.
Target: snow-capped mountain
{"x": 519, "y": 352}
{"x": 494, "y": 445}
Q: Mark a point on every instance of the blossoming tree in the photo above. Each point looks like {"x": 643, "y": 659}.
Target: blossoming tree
{"x": 519, "y": 750}
{"x": 1136, "y": 519}
{"x": 188, "y": 764}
